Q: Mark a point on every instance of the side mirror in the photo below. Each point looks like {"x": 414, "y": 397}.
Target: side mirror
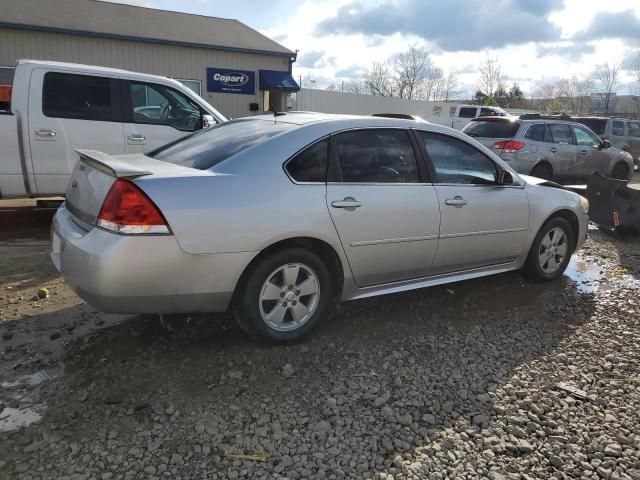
{"x": 605, "y": 144}
{"x": 208, "y": 121}
{"x": 505, "y": 178}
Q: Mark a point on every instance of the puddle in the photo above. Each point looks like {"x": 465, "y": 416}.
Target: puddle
{"x": 587, "y": 276}
{"x": 590, "y": 277}
{"x": 31, "y": 380}
{"x": 16, "y": 418}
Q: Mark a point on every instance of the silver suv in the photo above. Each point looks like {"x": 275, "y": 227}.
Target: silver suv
{"x": 550, "y": 147}
{"x": 623, "y": 133}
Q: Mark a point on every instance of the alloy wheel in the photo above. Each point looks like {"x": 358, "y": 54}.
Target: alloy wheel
{"x": 553, "y": 250}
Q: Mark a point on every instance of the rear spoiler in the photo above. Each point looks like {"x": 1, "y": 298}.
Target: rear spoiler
{"x": 111, "y": 165}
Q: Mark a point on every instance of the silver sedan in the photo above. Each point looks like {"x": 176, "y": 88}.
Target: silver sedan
{"x": 278, "y": 217}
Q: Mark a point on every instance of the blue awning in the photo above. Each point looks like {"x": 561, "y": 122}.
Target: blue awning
{"x": 275, "y": 80}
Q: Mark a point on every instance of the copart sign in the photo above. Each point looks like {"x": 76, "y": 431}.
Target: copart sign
{"x": 231, "y": 81}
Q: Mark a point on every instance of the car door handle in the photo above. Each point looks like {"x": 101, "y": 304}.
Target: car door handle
{"x": 349, "y": 204}
{"x": 136, "y": 138}
{"x": 553, "y": 149}
{"x": 456, "y": 201}
{"x": 45, "y": 132}
{"x": 584, "y": 152}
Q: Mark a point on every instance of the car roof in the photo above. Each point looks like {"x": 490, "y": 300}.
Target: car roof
{"x": 305, "y": 118}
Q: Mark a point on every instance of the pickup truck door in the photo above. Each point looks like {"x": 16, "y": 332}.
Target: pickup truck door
{"x": 464, "y": 116}
{"x": 156, "y": 114}
{"x": 68, "y": 111}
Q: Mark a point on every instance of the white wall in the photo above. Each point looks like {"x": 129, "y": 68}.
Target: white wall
{"x": 353, "y": 103}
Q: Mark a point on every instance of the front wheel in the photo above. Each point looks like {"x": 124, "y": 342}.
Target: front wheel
{"x": 285, "y": 296}
{"x": 551, "y": 250}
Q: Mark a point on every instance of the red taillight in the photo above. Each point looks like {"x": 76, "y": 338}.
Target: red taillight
{"x": 5, "y": 93}
{"x": 508, "y": 146}
{"x": 128, "y": 210}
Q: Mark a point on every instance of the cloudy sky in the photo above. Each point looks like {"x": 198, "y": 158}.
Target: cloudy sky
{"x": 536, "y": 41}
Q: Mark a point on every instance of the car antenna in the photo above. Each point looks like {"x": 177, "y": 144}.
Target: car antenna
{"x": 275, "y": 112}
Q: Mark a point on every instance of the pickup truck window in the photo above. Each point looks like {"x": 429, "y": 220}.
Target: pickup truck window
{"x": 618, "y": 128}
{"x": 468, "y": 112}
{"x": 160, "y": 105}
{"x": 81, "y": 97}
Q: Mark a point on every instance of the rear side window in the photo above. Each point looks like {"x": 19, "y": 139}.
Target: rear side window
{"x": 617, "y": 129}
{"x": 311, "y": 164}
{"x": 493, "y": 129}
{"x": 634, "y": 129}
{"x": 80, "y": 97}
{"x": 458, "y": 162}
{"x": 598, "y": 125}
{"x": 561, "y": 133}
{"x": 376, "y": 156}
{"x": 206, "y": 148}
{"x": 535, "y": 132}
{"x": 468, "y": 112}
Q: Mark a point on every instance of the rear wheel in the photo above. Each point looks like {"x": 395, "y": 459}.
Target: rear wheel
{"x": 542, "y": 170}
{"x": 285, "y": 296}
{"x": 551, "y": 250}
{"x": 620, "y": 172}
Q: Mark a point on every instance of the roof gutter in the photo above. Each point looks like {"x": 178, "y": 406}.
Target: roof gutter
{"x": 112, "y": 36}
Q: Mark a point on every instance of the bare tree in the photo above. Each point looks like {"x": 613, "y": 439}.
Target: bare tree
{"x": 576, "y": 92}
{"x": 490, "y": 78}
{"x": 447, "y": 87}
{"x": 608, "y": 77}
{"x": 413, "y": 69}
{"x": 547, "y": 92}
{"x": 355, "y": 85}
{"x": 379, "y": 81}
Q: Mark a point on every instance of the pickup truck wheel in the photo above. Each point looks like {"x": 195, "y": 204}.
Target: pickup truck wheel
{"x": 551, "y": 250}
{"x": 542, "y": 170}
{"x": 620, "y": 172}
{"x": 285, "y": 297}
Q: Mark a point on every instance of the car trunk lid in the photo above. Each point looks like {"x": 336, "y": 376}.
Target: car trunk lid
{"x": 96, "y": 172}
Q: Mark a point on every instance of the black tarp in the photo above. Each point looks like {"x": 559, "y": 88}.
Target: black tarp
{"x": 612, "y": 204}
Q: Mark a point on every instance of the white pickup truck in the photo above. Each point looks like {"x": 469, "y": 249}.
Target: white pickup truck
{"x": 464, "y": 114}
{"x": 56, "y": 108}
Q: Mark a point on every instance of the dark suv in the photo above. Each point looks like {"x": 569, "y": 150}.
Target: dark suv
{"x": 550, "y": 147}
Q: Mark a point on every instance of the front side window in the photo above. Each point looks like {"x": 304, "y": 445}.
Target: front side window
{"x": 618, "y": 129}
{"x": 467, "y": 112}
{"x": 535, "y": 132}
{"x": 457, "y": 162}
{"x": 80, "y": 97}
{"x": 634, "y": 129}
{"x": 376, "y": 156}
{"x": 560, "y": 133}
{"x": 160, "y": 105}
{"x": 585, "y": 138}
{"x": 311, "y": 164}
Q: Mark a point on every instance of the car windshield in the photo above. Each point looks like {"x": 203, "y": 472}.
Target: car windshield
{"x": 491, "y": 129}
{"x": 598, "y": 125}
{"x": 207, "y": 148}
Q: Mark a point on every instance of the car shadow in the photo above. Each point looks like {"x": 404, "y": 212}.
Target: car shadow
{"x": 409, "y": 364}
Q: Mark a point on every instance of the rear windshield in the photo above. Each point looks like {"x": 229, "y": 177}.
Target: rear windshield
{"x": 598, "y": 125}
{"x": 491, "y": 129}
{"x": 206, "y": 148}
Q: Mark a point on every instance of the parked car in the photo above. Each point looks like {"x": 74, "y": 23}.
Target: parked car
{"x": 623, "y": 133}
{"x": 57, "y": 107}
{"x": 463, "y": 114}
{"x": 550, "y": 147}
{"x": 276, "y": 217}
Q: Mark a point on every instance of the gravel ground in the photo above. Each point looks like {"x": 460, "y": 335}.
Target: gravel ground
{"x": 492, "y": 378}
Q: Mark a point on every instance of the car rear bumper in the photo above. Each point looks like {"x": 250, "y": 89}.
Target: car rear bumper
{"x": 142, "y": 274}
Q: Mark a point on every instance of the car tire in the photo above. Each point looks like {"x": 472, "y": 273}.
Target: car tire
{"x": 548, "y": 246}
{"x": 272, "y": 305}
{"x": 542, "y": 170}
{"x": 620, "y": 172}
